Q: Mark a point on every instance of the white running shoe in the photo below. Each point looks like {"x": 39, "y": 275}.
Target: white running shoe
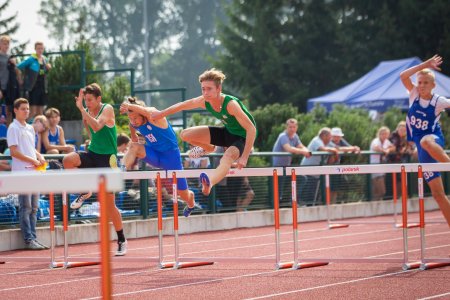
{"x": 78, "y": 202}
{"x": 122, "y": 248}
{"x": 198, "y": 152}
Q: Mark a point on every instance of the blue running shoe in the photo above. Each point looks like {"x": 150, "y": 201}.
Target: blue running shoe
{"x": 187, "y": 211}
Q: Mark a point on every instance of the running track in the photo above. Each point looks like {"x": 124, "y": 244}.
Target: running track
{"x": 249, "y": 280}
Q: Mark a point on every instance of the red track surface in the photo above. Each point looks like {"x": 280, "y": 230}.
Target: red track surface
{"x": 249, "y": 280}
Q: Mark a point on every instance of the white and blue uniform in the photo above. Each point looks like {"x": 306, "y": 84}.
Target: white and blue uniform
{"x": 161, "y": 149}
{"x": 423, "y": 120}
{"x": 54, "y": 139}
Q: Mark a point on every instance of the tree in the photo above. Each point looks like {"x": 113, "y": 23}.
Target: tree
{"x": 9, "y": 26}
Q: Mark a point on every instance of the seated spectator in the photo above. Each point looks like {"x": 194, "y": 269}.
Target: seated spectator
{"x": 40, "y": 126}
{"x": 241, "y": 194}
{"x": 3, "y": 126}
{"x": 310, "y": 189}
{"x": 54, "y": 141}
{"x": 404, "y": 150}
{"x": 123, "y": 142}
{"x": 5, "y": 165}
{"x": 380, "y": 144}
{"x": 196, "y": 163}
{"x": 338, "y": 142}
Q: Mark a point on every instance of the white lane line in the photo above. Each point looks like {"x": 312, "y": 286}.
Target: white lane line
{"x": 435, "y": 296}
{"x": 328, "y": 285}
{"x": 189, "y": 284}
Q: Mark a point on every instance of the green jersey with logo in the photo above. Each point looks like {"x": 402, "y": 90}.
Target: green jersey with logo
{"x": 229, "y": 121}
{"x": 103, "y": 141}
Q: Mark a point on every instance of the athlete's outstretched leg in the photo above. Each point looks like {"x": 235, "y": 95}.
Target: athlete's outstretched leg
{"x": 198, "y": 136}
{"x": 437, "y": 190}
{"x": 435, "y": 150}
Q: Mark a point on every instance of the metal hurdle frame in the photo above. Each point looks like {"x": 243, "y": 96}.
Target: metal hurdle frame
{"x": 102, "y": 180}
{"x": 358, "y": 169}
{"x": 434, "y": 262}
{"x": 182, "y": 262}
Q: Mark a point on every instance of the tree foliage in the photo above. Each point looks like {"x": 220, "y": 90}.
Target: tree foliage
{"x": 9, "y": 26}
{"x": 289, "y": 51}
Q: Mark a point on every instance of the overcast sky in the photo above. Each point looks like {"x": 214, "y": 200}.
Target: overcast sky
{"x": 30, "y": 28}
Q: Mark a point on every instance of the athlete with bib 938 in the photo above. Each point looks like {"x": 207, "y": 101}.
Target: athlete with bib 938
{"x": 422, "y": 123}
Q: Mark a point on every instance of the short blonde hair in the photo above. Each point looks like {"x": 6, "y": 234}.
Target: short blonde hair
{"x": 42, "y": 119}
{"x": 212, "y": 75}
{"x": 291, "y": 121}
{"x": 427, "y": 72}
{"x": 52, "y": 111}
{"x": 324, "y": 131}
{"x": 38, "y": 43}
{"x": 5, "y": 38}
{"x": 381, "y": 129}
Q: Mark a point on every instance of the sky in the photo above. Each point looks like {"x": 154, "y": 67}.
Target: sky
{"x": 30, "y": 27}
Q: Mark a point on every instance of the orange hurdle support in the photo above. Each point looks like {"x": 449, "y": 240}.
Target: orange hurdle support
{"x": 177, "y": 264}
{"x": 295, "y": 264}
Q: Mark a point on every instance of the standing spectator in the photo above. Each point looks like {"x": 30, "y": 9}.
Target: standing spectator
{"x": 9, "y": 77}
{"x": 288, "y": 141}
{"x": 21, "y": 141}
{"x": 338, "y": 142}
{"x": 380, "y": 144}
{"x": 310, "y": 189}
{"x": 36, "y": 68}
{"x": 53, "y": 139}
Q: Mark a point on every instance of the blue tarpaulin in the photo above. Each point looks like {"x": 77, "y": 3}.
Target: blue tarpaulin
{"x": 380, "y": 89}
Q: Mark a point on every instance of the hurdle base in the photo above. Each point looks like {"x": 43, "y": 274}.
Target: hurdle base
{"x": 2, "y": 262}
{"x": 336, "y": 226}
{"x": 182, "y": 265}
{"x": 73, "y": 264}
{"x": 429, "y": 266}
{"x": 305, "y": 265}
{"x": 412, "y": 225}
{"x": 410, "y": 266}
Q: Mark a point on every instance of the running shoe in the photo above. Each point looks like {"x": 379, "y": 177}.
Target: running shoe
{"x": 42, "y": 245}
{"x": 121, "y": 248}
{"x": 78, "y": 202}
{"x": 198, "y": 152}
{"x": 32, "y": 245}
{"x": 187, "y": 210}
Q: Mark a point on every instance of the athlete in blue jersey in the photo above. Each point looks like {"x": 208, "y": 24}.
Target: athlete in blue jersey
{"x": 161, "y": 147}
{"x": 423, "y": 126}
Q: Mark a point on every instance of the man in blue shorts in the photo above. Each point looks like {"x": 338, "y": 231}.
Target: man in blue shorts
{"x": 422, "y": 123}
{"x": 161, "y": 148}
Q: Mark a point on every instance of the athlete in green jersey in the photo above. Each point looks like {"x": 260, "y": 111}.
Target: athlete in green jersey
{"x": 238, "y": 132}
{"x": 99, "y": 120}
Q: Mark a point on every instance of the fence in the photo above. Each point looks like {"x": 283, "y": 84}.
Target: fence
{"x": 138, "y": 198}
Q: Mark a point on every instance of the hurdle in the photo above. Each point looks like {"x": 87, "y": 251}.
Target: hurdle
{"x": 55, "y": 182}
{"x": 427, "y": 263}
{"x": 361, "y": 169}
{"x": 335, "y": 225}
{"x": 249, "y": 172}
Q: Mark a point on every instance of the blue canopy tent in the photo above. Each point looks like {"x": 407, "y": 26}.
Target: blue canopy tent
{"x": 379, "y": 89}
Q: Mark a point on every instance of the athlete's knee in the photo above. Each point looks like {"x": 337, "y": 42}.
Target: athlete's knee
{"x": 70, "y": 161}
{"x": 427, "y": 142}
{"x": 229, "y": 157}
{"x": 185, "y": 134}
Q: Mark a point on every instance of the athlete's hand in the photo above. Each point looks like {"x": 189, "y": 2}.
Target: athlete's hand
{"x": 79, "y": 100}
{"x": 242, "y": 162}
{"x": 435, "y": 62}
{"x": 124, "y": 107}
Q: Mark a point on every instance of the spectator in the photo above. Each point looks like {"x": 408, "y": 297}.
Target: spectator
{"x": 21, "y": 141}
{"x": 54, "y": 141}
{"x": 197, "y": 163}
{"x": 9, "y": 77}
{"x": 40, "y": 126}
{"x": 123, "y": 142}
{"x": 36, "y": 68}
{"x": 338, "y": 142}
{"x": 288, "y": 141}
{"x": 3, "y": 127}
{"x": 310, "y": 189}
{"x": 380, "y": 144}
{"x": 403, "y": 149}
